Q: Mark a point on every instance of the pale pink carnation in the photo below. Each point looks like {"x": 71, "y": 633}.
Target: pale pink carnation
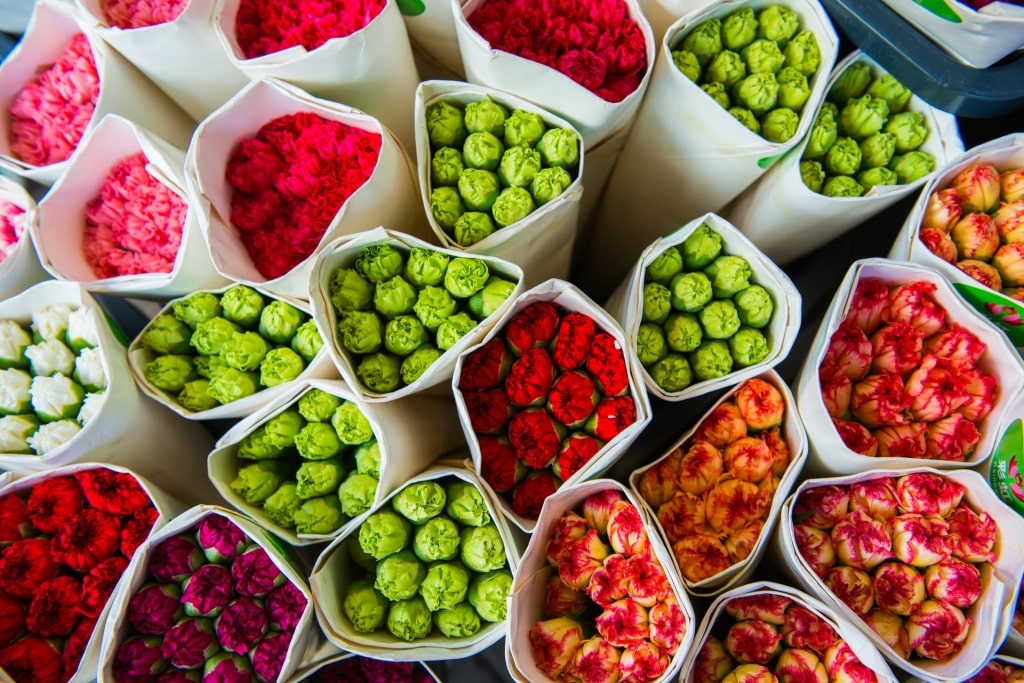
{"x": 12, "y": 227}
{"x": 139, "y": 13}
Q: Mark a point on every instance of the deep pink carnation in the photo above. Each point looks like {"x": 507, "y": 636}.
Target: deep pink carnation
{"x": 12, "y": 227}
{"x": 139, "y": 13}
{"x": 263, "y": 28}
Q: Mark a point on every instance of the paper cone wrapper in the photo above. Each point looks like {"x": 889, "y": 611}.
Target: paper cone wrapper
{"x": 1004, "y": 153}
{"x": 411, "y": 433}
{"x": 342, "y": 253}
{"x": 372, "y": 69}
{"x": 990, "y": 616}
{"x": 334, "y": 571}
{"x": 21, "y": 269}
{"x": 1014, "y": 645}
{"x": 829, "y": 456}
{"x": 59, "y": 232}
{"x": 183, "y": 57}
{"x": 787, "y": 219}
{"x": 389, "y": 195}
{"x": 432, "y": 31}
{"x": 795, "y": 437}
{"x": 567, "y": 297}
{"x": 1005, "y": 662}
{"x": 166, "y": 506}
{"x": 332, "y": 655}
{"x": 626, "y": 304}
{"x": 526, "y": 604}
{"x": 123, "y": 88}
{"x": 139, "y": 356}
{"x": 664, "y": 13}
{"x": 845, "y": 630}
{"x": 542, "y": 242}
{"x": 118, "y": 628}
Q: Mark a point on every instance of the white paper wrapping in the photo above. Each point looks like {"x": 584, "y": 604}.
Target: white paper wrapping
{"x": 59, "y": 232}
{"x": 542, "y": 243}
{"x": 372, "y": 69}
{"x": 123, "y": 89}
{"x": 432, "y": 31}
{"x": 527, "y": 599}
{"x": 21, "y": 269}
{"x": 570, "y": 298}
{"x": 328, "y": 654}
{"x": 626, "y": 304}
{"x": 787, "y": 219}
{"x": 991, "y": 615}
{"x": 184, "y": 57}
{"x": 342, "y": 253}
{"x": 334, "y": 570}
{"x": 1005, "y": 153}
{"x": 411, "y": 433}
{"x": 664, "y": 13}
{"x": 117, "y": 626}
{"x": 829, "y": 456}
{"x": 387, "y": 198}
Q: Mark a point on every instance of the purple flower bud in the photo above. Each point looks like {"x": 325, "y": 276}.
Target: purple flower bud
{"x": 207, "y": 591}
{"x": 174, "y": 560}
{"x": 225, "y": 667}
{"x": 190, "y": 642}
{"x": 269, "y": 655}
{"x": 255, "y": 574}
{"x": 138, "y": 658}
{"x": 285, "y": 606}
{"x": 220, "y": 538}
{"x": 241, "y": 625}
{"x": 155, "y": 608}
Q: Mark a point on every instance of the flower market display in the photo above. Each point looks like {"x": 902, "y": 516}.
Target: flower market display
{"x": 12, "y": 227}
{"x": 263, "y": 29}
{"x": 129, "y": 14}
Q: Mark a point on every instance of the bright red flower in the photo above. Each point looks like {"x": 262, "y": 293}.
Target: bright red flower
{"x": 263, "y": 29}
{"x": 611, "y": 416}
{"x": 530, "y": 494}
{"x": 856, "y": 437}
{"x": 88, "y": 538}
{"x": 489, "y": 411}
{"x": 577, "y": 450}
{"x": 52, "y": 611}
{"x": 499, "y": 465}
{"x": 869, "y": 304}
{"x": 99, "y": 583}
{"x": 530, "y": 377}
{"x": 14, "y": 519}
{"x": 118, "y": 493}
{"x": 12, "y": 618}
{"x": 572, "y": 340}
{"x": 74, "y": 646}
{"x": 52, "y": 502}
{"x": 32, "y": 660}
{"x": 487, "y": 367}
{"x": 572, "y": 398}
{"x": 536, "y": 437}
{"x": 607, "y": 363}
{"x": 136, "y": 529}
{"x": 26, "y": 564}
{"x": 534, "y": 325}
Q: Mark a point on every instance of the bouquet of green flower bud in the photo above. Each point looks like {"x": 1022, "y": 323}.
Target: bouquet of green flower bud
{"x": 391, "y": 307}
{"x": 220, "y": 353}
{"x": 428, "y": 571}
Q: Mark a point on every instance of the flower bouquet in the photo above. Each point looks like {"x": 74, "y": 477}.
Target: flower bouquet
{"x": 549, "y": 398}
{"x": 796, "y": 206}
{"x": 356, "y": 54}
{"x": 195, "y": 72}
{"x": 19, "y": 262}
{"x": 767, "y": 631}
{"x": 278, "y": 191}
{"x": 999, "y": 669}
{"x": 311, "y": 464}
{"x": 594, "y": 598}
{"x": 426, "y": 575}
{"x": 348, "y": 668}
{"x": 396, "y": 312}
{"x": 716, "y": 493}
{"x": 68, "y": 536}
{"x": 969, "y": 212}
{"x": 59, "y": 82}
{"x": 703, "y": 308}
{"x": 904, "y": 370}
{"x": 210, "y": 593}
{"x": 922, "y": 560}
{"x": 119, "y": 219}
{"x": 520, "y": 199}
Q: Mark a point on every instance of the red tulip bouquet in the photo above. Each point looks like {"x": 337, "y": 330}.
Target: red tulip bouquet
{"x": 921, "y": 560}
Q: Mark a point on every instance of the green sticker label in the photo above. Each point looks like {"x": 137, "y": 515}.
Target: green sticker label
{"x": 411, "y": 8}
{"x": 940, "y": 9}
{"x": 766, "y": 162}
{"x": 1004, "y": 472}
{"x": 1006, "y": 313}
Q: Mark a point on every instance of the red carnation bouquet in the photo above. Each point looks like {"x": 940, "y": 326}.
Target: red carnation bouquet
{"x": 68, "y": 536}
{"x": 549, "y": 397}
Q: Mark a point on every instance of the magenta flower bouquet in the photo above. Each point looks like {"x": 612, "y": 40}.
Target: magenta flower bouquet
{"x": 19, "y": 262}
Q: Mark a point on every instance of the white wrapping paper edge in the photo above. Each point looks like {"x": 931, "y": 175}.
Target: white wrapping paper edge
{"x": 333, "y": 569}
{"x": 410, "y": 433}
{"x": 59, "y": 232}
{"x": 569, "y": 297}
{"x": 991, "y": 614}
{"x": 796, "y": 440}
{"x": 626, "y": 304}
{"x": 1005, "y": 153}
{"x": 432, "y": 32}
{"x": 542, "y": 242}
{"x": 388, "y": 196}
{"x": 139, "y": 356}
{"x": 342, "y": 253}
{"x": 525, "y": 602}
{"x": 21, "y": 269}
{"x": 828, "y": 454}
{"x": 117, "y": 627}
{"x": 787, "y": 219}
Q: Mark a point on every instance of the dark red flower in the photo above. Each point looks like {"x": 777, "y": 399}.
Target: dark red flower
{"x": 220, "y": 538}
{"x": 53, "y": 501}
{"x": 499, "y": 466}
{"x": 32, "y": 660}
{"x": 87, "y": 539}
{"x": 586, "y": 67}
{"x": 174, "y": 559}
{"x": 14, "y": 519}
{"x": 489, "y": 411}
{"x": 534, "y": 325}
{"x": 52, "y": 611}
{"x": 253, "y": 165}
{"x": 24, "y": 565}
{"x": 117, "y": 493}
{"x": 189, "y": 643}
{"x": 607, "y": 364}
{"x": 155, "y": 608}
{"x": 572, "y": 340}
{"x": 74, "y": 646}
{"x": 99, "y": 583}
{"x": 285, "y": 606}
{"x": 208, "y": 591}
{"x": 577, "y": 450}
{"x": 530, "y": 378}
{"x": 487, "y": 367}
{"x": 572, "y": 398}
{"x": 611, "y": 416}
{"x": 138, "y": 658}
{"x": 241, "y": 625}
{"x": 530, "y": 494}
{"x": 136, "y": 530}
{"x": 12, "y": 618}
{"x": 536, "y": 436}
{"x": 255, "y": 573}
{"x": 269, "y": 654}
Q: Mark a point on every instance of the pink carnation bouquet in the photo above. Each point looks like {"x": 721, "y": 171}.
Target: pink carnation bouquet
{"x": 140, "y": 13}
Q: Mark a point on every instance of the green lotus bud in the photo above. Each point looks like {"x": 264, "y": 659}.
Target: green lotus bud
{"x": 700, "y": 248}
{"x": 843, "y": 157}
{"x": 748, "y": 347}
{"x": 711, "y": 360}
{"x": 512, "y": 205}
{"x": 794, "y": 90}
{"x": 425, "y": 266}
{"x": 15, "y": 431}
{"x": 394, "y": 297}
{"x": 434, "y": 305}
{"x": 349, "y": 291}
{"x": 437, "y": 539}
{"x": 719, "y": 319}
{"x": 453, "y": 329}
{"x": 167, "y": 334}
{"x": 650, "y": 343}
{"x": 761, "y": 56}
{"x": 672, "y": 373}
{"x": 409, "y": 619}
{"x": 895, "y": 94}
{"x": 445, "y": 586}
{"x": 242, "y": 305}
{"x": 688, "y": 64}
{"x": 482, "y": 150}
{"x": 461, "y": 621}
{"x": 364, "y": 607}
{"x": 717, "y": 92}
{"x": 482, "y": 549}
{"x": 383, "y": 533}
{"x": 307, "y": 341}
{"x": 657, "y": 303}
{"x": 877, "y": 149}
{"x": 404, "y": 334}
{"x": 739, "y": 29}
{"x": 445, "y": 167}
{"x": 704, "y": 41}
{"x": 802, "y": 53}
{"x": 909, "y": 129}
{"x": 379, "y": 262}
{"x": 842, "y": 186}
{"x": 523, "y": 128}
{"x": 779, "y": 125}
{"x": 683, "y": 331}
{"x": 170, "y": 372}
{"x": 778, "y": 23}
{"x": 254, "y": 483}
{"x": 863, "y": 116}
{"x": 912, "y": 166}
{"x": 317, "y": 441}
{"x": 420, "y": 501}
{"x": 52, "y": 398}
{"x": 230, "y": 385}
{"x": 212, "y": 334}
{"x": 812, "y": 174}
{"x": 486, "y": 116}
{"x": 14, "y": 339}
{"x": 195, "y": 396}
{"x": 879, "y": 175}
{"x": 318, "y": 478}
{"x": 244, "y": 350}
{"x": 549, "y": 184}
{"x": 852, "y": 83}
{"x": 196, "y": 307}
{"x": 367, "y": 458}
{"x": 416, "y": 363}
{"x": 379, "y": 372}
{"x": 489, "y": 299}
{"x": 754, "y": 306}
{"x": 488, "y": 594}
{"x": 465, "y": 276}
{"x": 361, "y": 332}
{"x": 321, "y": 515}
{"x": 559, "y": 147}
{"x": 822, "y": 136}
{"x": 446, "y": 206}
{"x": 466, "y": 504}
{"x": 479, "y": 188}
{"x": 758, "y": 92}
{"x": 445, "y": 125}
{"x": 690, "y": 291}
{"x": 728, "y": 275}
{"x": 357, "y": 493}
{"x": 281, "y": 505}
